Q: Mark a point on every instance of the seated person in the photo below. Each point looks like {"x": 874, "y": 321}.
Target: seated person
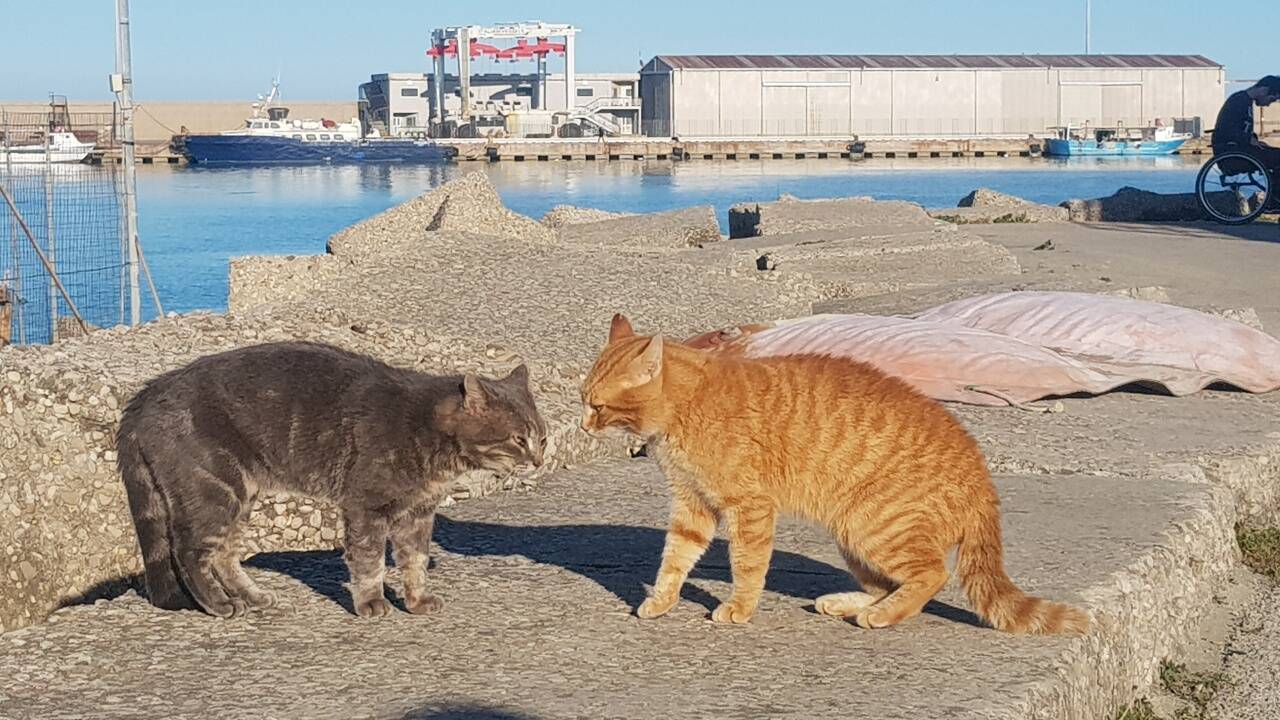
{"x": 1234, "y": 128}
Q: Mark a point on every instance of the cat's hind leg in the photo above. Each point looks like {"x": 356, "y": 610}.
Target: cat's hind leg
{"x": 226, "y": 566}
{"x": 204, "y": 514}
{"x": 918, "y": 565}
{"x": 848, "y": 604}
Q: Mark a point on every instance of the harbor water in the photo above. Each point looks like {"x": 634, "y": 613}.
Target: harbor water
{"x": 192, "y": 220}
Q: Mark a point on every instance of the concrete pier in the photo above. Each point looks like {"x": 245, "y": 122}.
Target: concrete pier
{"x": 644, "y": 148}
{"x": 1124, "y": 504}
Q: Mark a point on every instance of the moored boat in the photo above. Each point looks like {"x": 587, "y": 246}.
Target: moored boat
{"x": 61, "y": 147}
{"x": 1081, "y": 142}
{"x": 276, "y": 139}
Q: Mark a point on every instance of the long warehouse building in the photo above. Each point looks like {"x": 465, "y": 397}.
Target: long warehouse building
{"x": 936, "y": 96}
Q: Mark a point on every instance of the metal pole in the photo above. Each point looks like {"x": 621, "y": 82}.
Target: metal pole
{"x": 48, "y": 232}
{"x": 1088, "y": 22}
{"x": 464, "y": 71}
{"x": 16, "y": 296}
{"x": 570, "y": 82}
{"x": 438, "y": 69}
{"x": 124, "y": 67}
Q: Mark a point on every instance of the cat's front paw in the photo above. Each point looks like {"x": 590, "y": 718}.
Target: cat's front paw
{"x": 732, "y": 613}
{"x": 654, "y": 607}
{"x": 424, "y": 604}
{"x": 374, "y": 607}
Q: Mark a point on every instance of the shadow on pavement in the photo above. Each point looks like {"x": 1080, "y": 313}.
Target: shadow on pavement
{"x": 463, "y": 712}
{"x": 618, "y": 558}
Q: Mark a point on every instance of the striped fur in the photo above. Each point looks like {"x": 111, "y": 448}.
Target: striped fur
{"x": 893, "y": 475}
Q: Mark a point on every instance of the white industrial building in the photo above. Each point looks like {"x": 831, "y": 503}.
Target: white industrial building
{"x": 400, "y": 103}
{"x": 934, "y": 96}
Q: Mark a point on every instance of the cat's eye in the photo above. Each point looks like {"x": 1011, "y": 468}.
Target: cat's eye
{"x": 521, "y": 441}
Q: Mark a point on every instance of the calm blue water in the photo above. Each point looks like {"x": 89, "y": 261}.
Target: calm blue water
{"x": 193, "y": 220}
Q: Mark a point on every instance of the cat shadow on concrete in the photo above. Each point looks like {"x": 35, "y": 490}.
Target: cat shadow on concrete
{"x": 463, "y": 712}
{"x": 618, "y": 558}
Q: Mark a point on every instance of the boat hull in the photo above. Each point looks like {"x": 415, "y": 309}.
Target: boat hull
{"x": 36, "y": 156}
{"x": 228, "y": 150}
{"x": 1090, "y": 148}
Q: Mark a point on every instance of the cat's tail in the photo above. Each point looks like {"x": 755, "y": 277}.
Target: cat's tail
{"x": 151, "y": 521}
{"x": 980, "y": 565}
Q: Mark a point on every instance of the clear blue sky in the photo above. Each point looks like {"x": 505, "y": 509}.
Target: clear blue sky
{"x": 229, "y": 49}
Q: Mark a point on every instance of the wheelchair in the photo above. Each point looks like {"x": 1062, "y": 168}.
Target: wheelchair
{"x": 1235, "y": 188}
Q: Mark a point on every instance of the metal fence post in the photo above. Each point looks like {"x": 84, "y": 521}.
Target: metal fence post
{"x": 50, "y": 245}
{"x": 16, "y": 290}
{"x": 125, "y": 71}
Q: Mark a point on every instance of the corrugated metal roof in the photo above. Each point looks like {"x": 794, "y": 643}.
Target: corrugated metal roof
{"x": 919, "y": 62}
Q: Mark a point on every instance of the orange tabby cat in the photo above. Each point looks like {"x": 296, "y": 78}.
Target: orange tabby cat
{"x": 888, "y": 471}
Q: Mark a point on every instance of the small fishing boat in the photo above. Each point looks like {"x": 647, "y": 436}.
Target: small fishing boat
{"x": 62, "y": 147}
{"x": 271, "y": 137}
{"x": 1100, "y": 142}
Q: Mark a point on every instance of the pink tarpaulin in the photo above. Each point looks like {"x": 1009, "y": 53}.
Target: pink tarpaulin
{"x": 1017, "y": 347}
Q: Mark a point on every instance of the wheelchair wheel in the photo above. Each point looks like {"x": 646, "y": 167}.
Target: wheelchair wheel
{"x": 1233, "y": 188}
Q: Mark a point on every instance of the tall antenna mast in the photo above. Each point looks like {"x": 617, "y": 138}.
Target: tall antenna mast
{"x": 1088, "y": 12}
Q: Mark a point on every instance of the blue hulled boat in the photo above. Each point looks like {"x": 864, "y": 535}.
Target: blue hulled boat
{"x": 278, "y": 140}
{"x": 1073, "y": 142}
{"x": 326, "y": 149}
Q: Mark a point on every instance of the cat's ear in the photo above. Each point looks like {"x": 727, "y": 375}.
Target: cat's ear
{"x": 519, "y": 376}
{"x": 647, "y": 365}
{"x": 620, "y": 328}
{"x": 474, "y": 396}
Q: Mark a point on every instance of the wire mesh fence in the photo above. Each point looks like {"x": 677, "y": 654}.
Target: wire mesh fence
{"x": 63, "y": 260}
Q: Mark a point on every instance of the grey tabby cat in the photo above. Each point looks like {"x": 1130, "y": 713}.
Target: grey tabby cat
{"x": 198, "y": 444}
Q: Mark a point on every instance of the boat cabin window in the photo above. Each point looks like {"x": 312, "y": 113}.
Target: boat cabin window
{"x": 259, "y": 125}
{"x": 324, "y": 136}
{"x": 297, "y": 137}
{"x": 275, "y": 126}
{"x": 311, "y": 136}
{"x": 337, "y": 136}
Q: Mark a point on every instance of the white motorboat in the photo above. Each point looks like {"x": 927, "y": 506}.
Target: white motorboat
{"x": 63, "y": 147}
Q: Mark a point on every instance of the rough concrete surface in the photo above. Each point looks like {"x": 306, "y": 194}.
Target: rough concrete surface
{"x": 1253, "y": 655}
{"x": 562, "y": 215}
{"x": 1124, "y": 502}
{"x": 985, "y": 206}
{"x": 688, "y": 227}
{"x": 552, "y": 300}
{"x": 791, "y": 215}
{"x": 986, "y": 197}
{"x": 539, "y": 589}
